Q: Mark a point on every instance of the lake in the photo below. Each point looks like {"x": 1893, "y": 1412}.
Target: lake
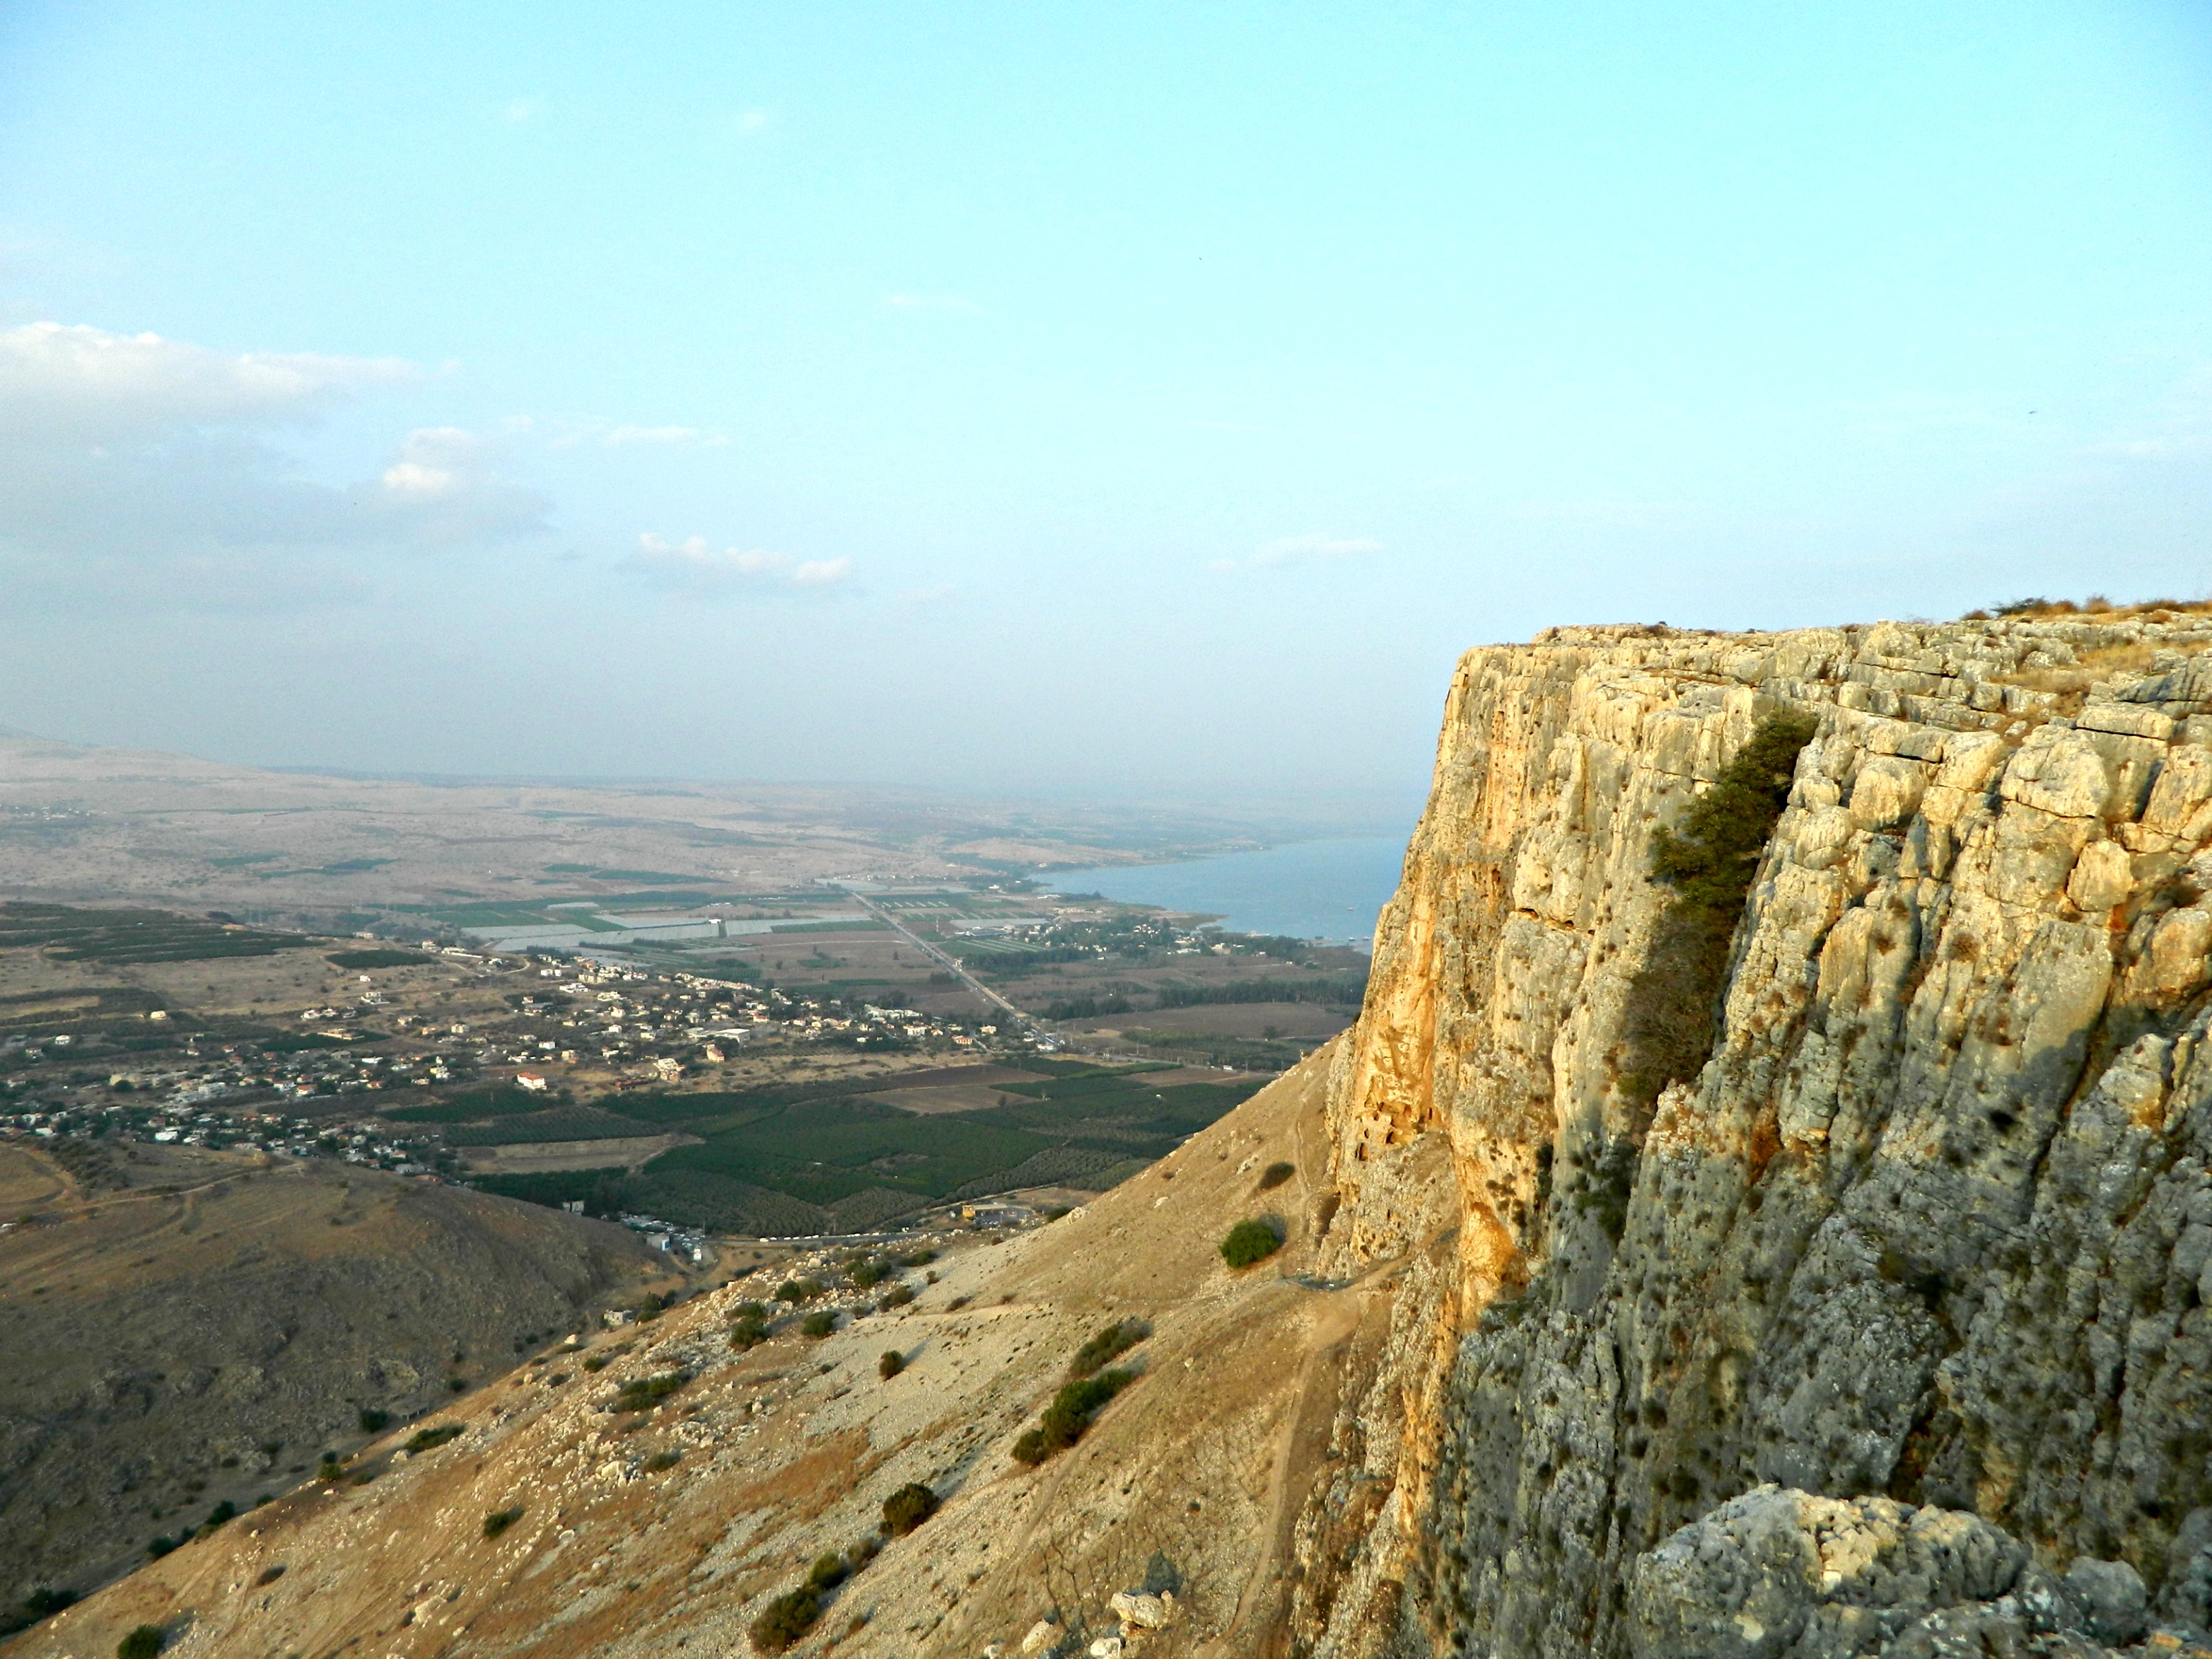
{"x": 1320, "y": 890}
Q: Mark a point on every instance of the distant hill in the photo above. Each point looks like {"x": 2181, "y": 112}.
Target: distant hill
{"x": 186, "y": 1328}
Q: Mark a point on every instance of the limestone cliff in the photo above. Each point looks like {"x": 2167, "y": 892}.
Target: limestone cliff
{"x": 1930, "y": 1228}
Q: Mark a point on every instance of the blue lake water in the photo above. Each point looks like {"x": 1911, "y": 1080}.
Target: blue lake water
{"x": 1322, "y": 890}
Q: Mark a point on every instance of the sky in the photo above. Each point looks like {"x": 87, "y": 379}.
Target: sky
{"x": 1135, "y": 401}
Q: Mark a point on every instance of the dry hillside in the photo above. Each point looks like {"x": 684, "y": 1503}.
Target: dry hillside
{"x": 668, "y": 1529}
{"x": 185, "y": 1329}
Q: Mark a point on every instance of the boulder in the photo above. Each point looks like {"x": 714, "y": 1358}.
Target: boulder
{"x": 1145, "y": 1612}
{"x": 2115, "y": 1607}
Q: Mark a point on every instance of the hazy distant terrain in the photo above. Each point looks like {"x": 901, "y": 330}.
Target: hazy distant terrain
{"x": 109, "y": 824}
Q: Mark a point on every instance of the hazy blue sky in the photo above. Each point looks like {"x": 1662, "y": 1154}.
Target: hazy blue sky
{"x": 1107, "y": 397}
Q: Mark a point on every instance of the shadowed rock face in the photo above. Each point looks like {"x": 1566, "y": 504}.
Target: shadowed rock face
{"x": 1933, "y": 1224}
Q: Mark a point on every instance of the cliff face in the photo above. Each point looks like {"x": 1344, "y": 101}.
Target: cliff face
{"x": 1930, "y": 1229}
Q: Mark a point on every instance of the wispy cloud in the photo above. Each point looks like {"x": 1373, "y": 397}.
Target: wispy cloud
{"x": 692, "y": 566}
{"x": 665, "y": 437}
{"x": 573, "y": 431}
{"x": 1301, "y": 550}
{"x": 139, "y": 471}
{"x": 951, "y": 302}
{"x": 1606, "y": 514}
{"x": 1920, "y": 417}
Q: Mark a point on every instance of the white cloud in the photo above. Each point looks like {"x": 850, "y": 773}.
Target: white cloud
{"x": 951, "y": 302}
{"x": 137, "y": 470}
{"x": 1301, "y": 550}
{"x": 445, "y": 486}
{"x": 61, "y": 383}
{"x": 692, "y": 566}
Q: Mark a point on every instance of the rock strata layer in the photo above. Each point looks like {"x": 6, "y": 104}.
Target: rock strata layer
{"x": 1923, "y": 1251}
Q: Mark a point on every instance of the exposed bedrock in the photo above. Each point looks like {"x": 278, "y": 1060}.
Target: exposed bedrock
{"x": 1933, "y": 1226}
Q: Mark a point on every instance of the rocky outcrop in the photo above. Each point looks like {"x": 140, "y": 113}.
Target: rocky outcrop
{"x": 1932, "y": 1228}
{"x": 1776, "y": 1572}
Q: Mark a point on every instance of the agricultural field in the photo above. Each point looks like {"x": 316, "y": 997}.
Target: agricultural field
{"x": 865, "y": 1151}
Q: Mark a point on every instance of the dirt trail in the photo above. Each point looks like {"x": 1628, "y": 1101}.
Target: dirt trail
{"x": 1302, "y": 1451}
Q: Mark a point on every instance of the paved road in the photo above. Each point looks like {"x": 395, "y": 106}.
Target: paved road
{"x": 943, "y": 959}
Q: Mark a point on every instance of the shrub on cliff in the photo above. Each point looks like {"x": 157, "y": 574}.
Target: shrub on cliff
{"x": 1710, "y": 863}
{"x": 890, "y": 1365}
{"x": 143, "y": 1642}
{"x": 1248, "y": 1242}
{"x": 818, "y": 1325}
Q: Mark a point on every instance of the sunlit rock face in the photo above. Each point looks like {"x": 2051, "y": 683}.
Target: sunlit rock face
{"x": 1934, "y": 1224}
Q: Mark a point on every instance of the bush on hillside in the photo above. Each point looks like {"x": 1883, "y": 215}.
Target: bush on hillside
{"x": 786, "y": 1619}
{"x": 424, "y": 1440}
{"x": 907, "y": 1507}
{"x": 1110, "y": 1343}
{"x": 500, "y": 1520}
{"x": 827, "y": 1573}
{"x": 642, "y": 1394}
{"x": 890, "y": 1365}
{"x": 1248, "y": 1242}
{"x": 143, "y": 1642}
{"x": 797, "y": 1290}
{"x": 374, "y": 1421}
{"x": 1069, "y": 1417}
{"x": 818, "y": 1325}
{"x": 749, "y": 1331}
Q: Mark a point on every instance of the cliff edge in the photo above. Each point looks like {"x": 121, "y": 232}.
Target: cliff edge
{"x": 1923, "y": 1242}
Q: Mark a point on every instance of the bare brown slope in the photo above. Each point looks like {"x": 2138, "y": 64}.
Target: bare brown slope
{"x": 637, "y": 1541}
{"x": 193, "y": 1328}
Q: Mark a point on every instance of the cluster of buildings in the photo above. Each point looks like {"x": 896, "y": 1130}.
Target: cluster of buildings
{"x": 179, "y": 1121}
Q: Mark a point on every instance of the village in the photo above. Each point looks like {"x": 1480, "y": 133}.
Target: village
{"x": 295, "y": 1095}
